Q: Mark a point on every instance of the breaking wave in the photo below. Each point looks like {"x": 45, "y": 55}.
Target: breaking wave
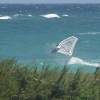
{"x": 18, "y": 15}
{"x": 50, "y": 15}
{"x": 5, "y": 17}
{"x": 78, "y": 61}
{"x": 89, "y": 33}
{"x": 65, "y": 15}
{"x": 53, "y": 15}
{"x": 29, "y": 15}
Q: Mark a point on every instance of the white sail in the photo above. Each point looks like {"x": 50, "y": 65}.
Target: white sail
{"x": 67, "y": 46}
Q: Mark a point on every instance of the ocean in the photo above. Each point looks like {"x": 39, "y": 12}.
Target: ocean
{"x": 28, "y": 33}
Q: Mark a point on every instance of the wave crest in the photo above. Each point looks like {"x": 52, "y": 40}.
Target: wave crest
{"x": 50, "y": 16}
{"x": 65, "y": 15}
{"x": 90, "y": 33}
{"x": 17, "y": 15}
{"x": 5, "y": 17}
{"x": 78, "y": 61}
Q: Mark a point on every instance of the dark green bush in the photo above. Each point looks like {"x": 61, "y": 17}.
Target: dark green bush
{"x": 28, "y": 82}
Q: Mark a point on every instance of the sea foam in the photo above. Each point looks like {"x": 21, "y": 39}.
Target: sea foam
{"x": 50, "y": 16}
{"x": 29, "y": 15}
{"x": 90, "y": 33}
{"x": 65, "y": 15}
{"x": 78, "y": 61}
{"x": 17, "y": 15}
{"x": 5, "y": 17}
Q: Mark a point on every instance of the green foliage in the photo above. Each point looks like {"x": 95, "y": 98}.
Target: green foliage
{"x": 25, "y": 82}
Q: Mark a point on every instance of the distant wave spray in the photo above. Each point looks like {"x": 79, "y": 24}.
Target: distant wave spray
{"x": 5, "y": 17}
{"x": 50, "y": 16}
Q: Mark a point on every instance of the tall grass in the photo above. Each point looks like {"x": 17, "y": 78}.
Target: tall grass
{"x": 24, "y": 82}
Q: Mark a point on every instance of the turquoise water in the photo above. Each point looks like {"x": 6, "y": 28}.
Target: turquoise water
{"x": 28, "y": 36}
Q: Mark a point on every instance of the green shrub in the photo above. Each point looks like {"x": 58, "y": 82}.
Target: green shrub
{"x": 28, "y": 82}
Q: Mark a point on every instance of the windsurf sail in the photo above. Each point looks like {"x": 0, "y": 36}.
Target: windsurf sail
{"x": 67, "y": 46}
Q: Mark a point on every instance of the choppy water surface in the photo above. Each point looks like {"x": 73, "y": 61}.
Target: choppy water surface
{"x": 30, "y": 32}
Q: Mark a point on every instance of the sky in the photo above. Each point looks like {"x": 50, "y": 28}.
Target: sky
{"x": 49, "y": 1}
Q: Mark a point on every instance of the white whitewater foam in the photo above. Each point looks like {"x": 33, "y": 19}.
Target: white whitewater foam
{"x": 78, "y": 61}
{"x": 5, "y": 17}
{"x": 90, "y": 33}
{"x": 50, "y": 16}
{"x": 17, "y": 15}
{"x": 65, "y": 15}
{"x": 29, "y": 15}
